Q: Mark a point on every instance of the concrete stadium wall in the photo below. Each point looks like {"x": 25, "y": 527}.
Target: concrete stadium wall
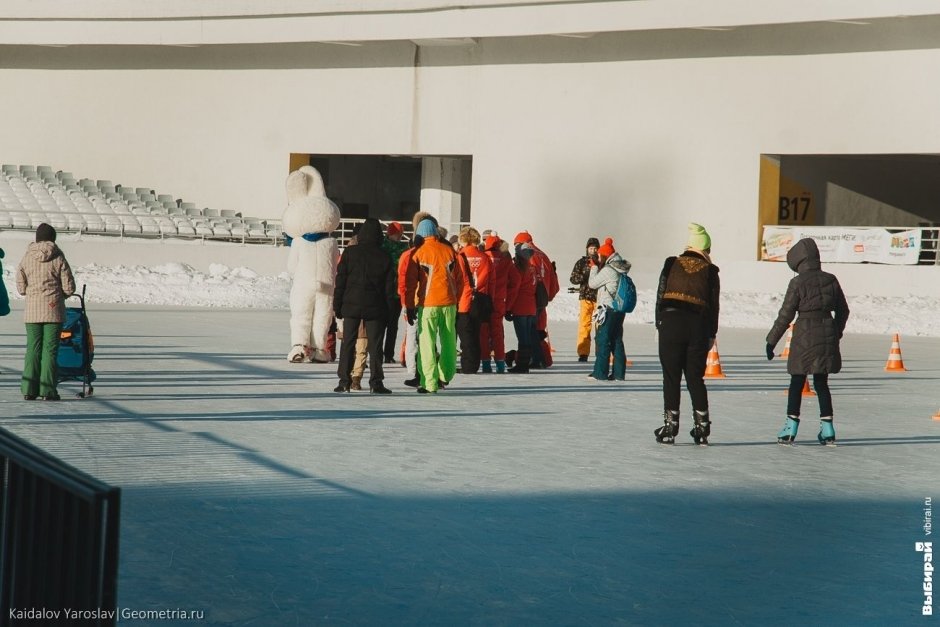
{"x": 622, "y": 135}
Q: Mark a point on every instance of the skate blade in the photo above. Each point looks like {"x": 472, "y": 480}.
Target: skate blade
{"x": 829, "y": 444}
{"x": 785, "y": 442}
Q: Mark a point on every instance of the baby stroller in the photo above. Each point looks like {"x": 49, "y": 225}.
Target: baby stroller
{"x": 76, "y": 348}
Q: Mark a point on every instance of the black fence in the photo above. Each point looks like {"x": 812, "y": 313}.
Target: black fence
{"x": 58, "y": 540}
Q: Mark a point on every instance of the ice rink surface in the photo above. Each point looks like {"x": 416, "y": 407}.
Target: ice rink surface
{"x": 253, "y": 492}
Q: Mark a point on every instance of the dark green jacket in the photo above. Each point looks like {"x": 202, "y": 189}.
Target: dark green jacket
{"x": 394, "y": 249}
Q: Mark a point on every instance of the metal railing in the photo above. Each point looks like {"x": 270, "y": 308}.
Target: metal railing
{"x": 121, "y": 225}
{"x": 271, "y": 228}
{"x": 58, "y": 538}
{"x": 348, "y": 225}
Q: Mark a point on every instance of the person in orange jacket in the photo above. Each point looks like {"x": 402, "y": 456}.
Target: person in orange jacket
{"x": 477, "y": 269}
{"x": 434, "y": 281}
{"x": 504, "y": 285}
{"x": 546, "y": 289}
{"x": 522, "y": 312}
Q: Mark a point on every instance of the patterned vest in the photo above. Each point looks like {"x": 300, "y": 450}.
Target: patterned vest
{"x": 688, "y": 281}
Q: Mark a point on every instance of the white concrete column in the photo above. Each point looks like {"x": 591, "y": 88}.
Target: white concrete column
{"x": 441, "y": 183}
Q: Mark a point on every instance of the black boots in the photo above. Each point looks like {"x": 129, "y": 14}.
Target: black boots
{"x": 666, "y": 434}
{"x": 702, "y": 428}
{"x": 522, "y": 359}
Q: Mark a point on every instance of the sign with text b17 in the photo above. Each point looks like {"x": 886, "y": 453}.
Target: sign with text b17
{"x": 845, "y": 245}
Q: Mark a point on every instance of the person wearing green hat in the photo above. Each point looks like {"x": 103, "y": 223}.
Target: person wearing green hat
{"x": 687, "y": 323}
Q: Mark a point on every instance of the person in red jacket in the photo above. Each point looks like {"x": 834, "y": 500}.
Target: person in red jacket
{"x": 546, "y": 289}
{"x": 477, "y": 268}
{"x": 522, "y": 311}
{"x": 411, "y": 331}
{"x": 504, "y": 285}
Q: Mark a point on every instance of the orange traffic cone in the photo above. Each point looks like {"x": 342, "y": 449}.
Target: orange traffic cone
{"x": 807, "y": 391}
{"x": 713, "y": 364}
{"x": 786, "y": 347}
{"x": 895, "y": 363}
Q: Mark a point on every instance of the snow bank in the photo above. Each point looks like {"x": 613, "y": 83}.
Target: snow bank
{"x": 241, "y": 287}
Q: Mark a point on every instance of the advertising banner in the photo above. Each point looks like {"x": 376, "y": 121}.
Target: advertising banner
{"x": 845, "y": 244}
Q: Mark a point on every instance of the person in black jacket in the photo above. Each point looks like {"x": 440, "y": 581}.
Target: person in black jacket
{"x": 687, "y": 321}
{"x": 814, "y": 349}
{"x": 365, "y": 280}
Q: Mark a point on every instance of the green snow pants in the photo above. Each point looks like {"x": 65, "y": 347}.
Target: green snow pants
{"x": 39, "y": 369}
{"x": 434, "y": 322}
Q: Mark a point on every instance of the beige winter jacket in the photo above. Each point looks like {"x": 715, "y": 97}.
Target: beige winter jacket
{"x": 45, "y": 278}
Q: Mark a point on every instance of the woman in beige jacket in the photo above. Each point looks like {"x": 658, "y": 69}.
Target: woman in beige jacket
{"x": 45, "y": 279}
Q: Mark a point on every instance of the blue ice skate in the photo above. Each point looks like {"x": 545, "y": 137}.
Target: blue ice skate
{"x": 788, "y": 434}
{"x": 827, "y": 434}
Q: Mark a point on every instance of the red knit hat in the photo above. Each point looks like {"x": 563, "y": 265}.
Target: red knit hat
{"x": 394, "y": 228}
{"x": 607, "y": 249}
{"x": 523, "y": 238}
{"x": 492, "y": 243}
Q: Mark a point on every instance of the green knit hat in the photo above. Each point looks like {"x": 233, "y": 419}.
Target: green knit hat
{"x": 699, "y": 237}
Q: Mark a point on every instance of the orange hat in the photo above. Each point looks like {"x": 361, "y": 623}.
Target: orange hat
{"x": 523, "y": 238}
{"x": 492, "y": 243}
{"x": 394, "y": 228}
{"x": 607, "y": 249}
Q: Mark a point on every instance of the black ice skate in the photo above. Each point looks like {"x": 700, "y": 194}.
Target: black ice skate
{"x": 666, "y": 434}
{"x": 702, "y": 428}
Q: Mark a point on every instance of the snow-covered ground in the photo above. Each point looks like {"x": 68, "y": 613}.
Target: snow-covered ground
{"x": 179, "y": 284}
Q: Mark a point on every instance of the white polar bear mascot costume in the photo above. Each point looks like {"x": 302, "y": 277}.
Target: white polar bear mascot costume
{"x": 308, "y": 221}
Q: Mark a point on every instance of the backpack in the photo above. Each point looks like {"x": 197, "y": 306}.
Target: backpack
{"x": 624, "y": 300}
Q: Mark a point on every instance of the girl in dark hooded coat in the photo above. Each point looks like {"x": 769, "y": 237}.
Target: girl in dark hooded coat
{"x": 818, "y": 299}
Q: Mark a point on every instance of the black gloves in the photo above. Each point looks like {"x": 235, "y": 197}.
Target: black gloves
{"x": 508, "y": 316}
{"x": 770, "y": 352}
{"x": 411, "y": 314}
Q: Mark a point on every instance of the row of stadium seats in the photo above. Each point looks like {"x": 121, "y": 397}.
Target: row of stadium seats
{"x": 31, "y": 195}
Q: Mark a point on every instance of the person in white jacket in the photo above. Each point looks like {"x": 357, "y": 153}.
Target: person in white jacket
{"x": 604, "y": 277}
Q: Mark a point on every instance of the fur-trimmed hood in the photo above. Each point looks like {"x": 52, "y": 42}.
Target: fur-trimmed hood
{"x": 418, "y": 217}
